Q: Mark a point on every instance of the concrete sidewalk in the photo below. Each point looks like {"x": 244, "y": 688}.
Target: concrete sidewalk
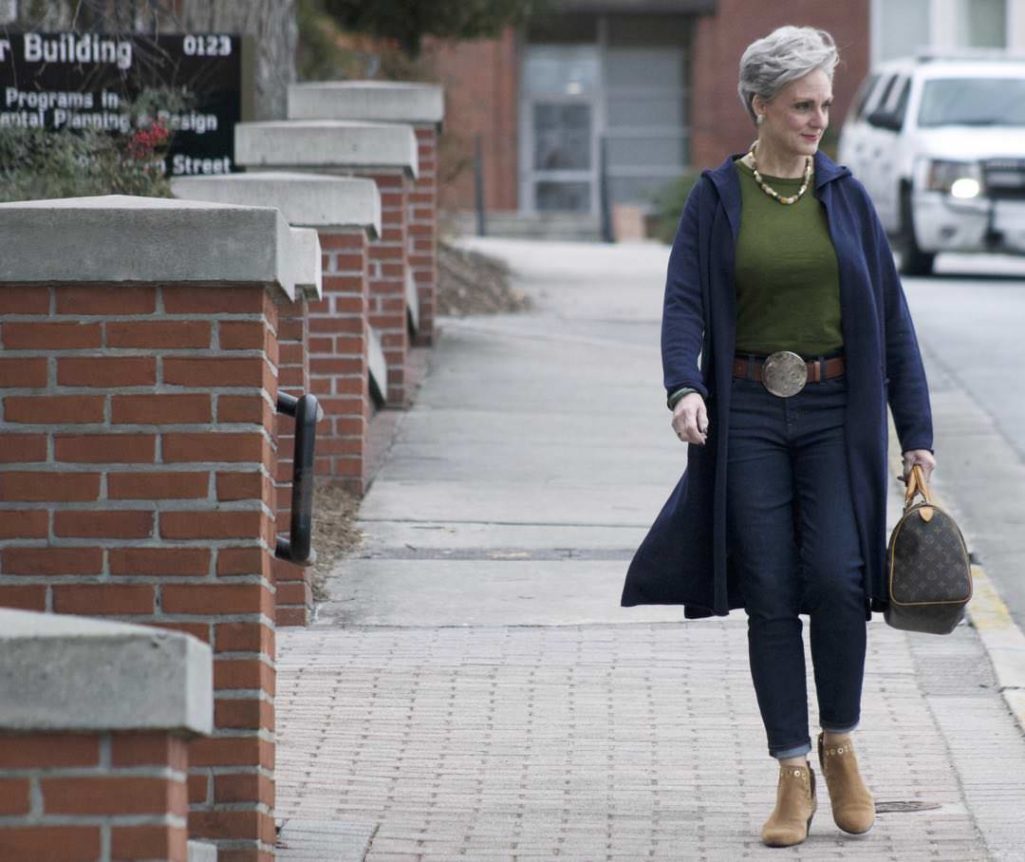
{"x": 473, "y": 689}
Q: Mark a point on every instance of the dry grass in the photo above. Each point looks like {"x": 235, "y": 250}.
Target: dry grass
{"x": 473, "y": 283}
{"x": 334, "y": 532}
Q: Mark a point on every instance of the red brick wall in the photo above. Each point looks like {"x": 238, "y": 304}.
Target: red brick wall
{"x": 720, "y": 124}
{"x": 387, "y": 262}
{"x": 124, "y": 788}
{"x": 338, "y": 358}
{"x": 481, "y": 81}
{"x": 422, "y": 228}
{"x": 136, "y": 480}
{"x": 293, "y": 591}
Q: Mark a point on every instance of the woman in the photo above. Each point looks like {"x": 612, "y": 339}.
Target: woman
{"x": 782, "y": 286}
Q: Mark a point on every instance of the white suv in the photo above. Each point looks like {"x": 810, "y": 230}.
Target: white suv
{"x": 939, "y": 142}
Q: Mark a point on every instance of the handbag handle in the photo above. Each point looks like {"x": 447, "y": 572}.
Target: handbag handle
{"x": 917, "y": 485}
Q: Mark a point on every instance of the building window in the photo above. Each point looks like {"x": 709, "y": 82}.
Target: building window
{"x": 612, "y": 82}
{"x": 984, "y": 23}
{"x": 561, "y": 70}
{"x": 903, "y": 27}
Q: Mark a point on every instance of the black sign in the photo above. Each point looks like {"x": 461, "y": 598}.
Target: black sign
{"x": 82, "y": 81}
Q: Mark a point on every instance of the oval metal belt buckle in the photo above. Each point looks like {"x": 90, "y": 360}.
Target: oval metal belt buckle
{"x": 784, "y": 373}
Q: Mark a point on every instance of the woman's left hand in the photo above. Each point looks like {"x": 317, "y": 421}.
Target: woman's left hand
{"x": 919, "y": 456}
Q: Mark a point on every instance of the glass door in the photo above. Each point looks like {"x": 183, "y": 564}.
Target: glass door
{"x": 559, "y": 159}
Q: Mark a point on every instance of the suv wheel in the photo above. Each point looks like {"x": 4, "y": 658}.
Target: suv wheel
{"x": 913, "y": 261}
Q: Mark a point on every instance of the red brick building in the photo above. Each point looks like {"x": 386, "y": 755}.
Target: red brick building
{"x": 650, "y": 82}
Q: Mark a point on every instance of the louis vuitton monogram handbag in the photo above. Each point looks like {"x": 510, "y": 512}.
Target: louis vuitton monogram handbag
{"x": 930, "y": 577}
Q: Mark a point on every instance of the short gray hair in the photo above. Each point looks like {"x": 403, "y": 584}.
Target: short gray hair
{"x": 786, "y": 54}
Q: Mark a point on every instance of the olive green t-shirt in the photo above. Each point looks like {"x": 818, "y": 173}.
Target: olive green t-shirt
{"x": 787, "y": 278}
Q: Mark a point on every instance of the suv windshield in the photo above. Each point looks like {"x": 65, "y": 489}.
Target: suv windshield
{"x": 973, "y": 102}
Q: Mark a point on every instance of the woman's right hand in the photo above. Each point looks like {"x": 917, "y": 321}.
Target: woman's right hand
{"x": 690, "y": 419}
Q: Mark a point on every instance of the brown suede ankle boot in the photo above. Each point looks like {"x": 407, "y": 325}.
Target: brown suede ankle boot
{"x": 854, "y": 808}
{"x": 795, "y": 806}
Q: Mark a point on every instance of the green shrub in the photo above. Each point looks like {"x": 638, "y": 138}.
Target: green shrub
{"x": 37, "y": 164}
{"x": 669, "y": 205}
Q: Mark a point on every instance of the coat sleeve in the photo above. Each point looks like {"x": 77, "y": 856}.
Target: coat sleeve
{"x": 908, "y": 390}
{"x": 683, "y": 311}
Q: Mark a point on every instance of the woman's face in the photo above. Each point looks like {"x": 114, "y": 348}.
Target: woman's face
{"x": 797, "y": 116}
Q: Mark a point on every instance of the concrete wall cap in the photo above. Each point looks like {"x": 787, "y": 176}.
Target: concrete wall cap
{"x": 327, "y": 144}
{"x": 380, "y": 101}
{"x": 120, "y": 238}
{"x": 309, "y": 266}
{"x": 305, "y": 199}
{"x": 75, "y": 674}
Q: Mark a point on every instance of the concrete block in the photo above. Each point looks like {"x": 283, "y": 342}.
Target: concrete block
{"x": 378, "y": 367}
{"x": 305, "y": 199}
{"x": 202, "y": 851}
{"x": 67, "y": 673}
{"x": 121, "y": 238}
{"x": 327, "y": 145}
{"x": 308, "y": 274}
{"x": 412, "y": 301}
{"x": 380, "y": 101}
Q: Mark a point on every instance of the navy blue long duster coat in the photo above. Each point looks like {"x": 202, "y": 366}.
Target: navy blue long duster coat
{"x": 685, "y": 559}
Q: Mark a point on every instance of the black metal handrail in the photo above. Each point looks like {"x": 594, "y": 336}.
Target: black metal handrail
{"x": 297, "y": 547}
{"x": 478, "y": 187}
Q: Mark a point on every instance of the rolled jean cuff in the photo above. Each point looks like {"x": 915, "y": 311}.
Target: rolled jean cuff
{"x": 792, "y": 751}
{"x": 844, "y": 728}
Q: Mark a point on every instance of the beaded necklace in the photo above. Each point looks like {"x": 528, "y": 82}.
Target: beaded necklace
{"x": 770, "y": 191}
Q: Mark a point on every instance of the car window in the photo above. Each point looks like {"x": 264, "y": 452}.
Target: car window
{"x": 861, "y": 97}
{"x": 973, "y": 102}
{"x": 900, "y": 107}
{"x": 884, "y": 94}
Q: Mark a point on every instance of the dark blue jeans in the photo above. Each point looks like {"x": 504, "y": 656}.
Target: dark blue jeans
{"x": 793, "y": 542}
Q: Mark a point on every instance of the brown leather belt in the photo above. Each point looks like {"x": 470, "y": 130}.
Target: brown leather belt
{"x": 818, "y": 369}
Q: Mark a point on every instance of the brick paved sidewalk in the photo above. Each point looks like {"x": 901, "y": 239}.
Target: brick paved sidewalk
{"x": 624, "y": 742}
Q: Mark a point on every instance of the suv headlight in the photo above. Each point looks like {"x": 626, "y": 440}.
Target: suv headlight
{"x": 961, "y": 180}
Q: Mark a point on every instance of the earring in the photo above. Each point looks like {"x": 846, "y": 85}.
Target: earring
{"x": 759, "y": 118}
